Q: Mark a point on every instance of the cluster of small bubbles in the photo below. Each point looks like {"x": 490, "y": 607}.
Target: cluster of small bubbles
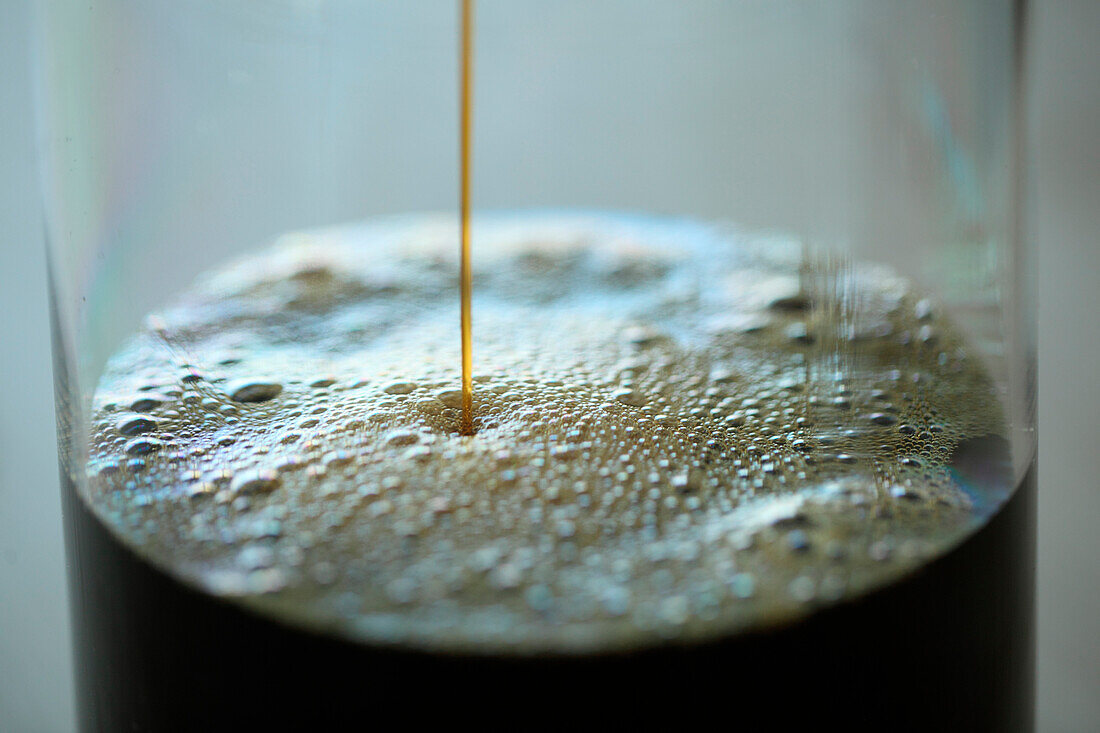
{"x": 636, "y": 468}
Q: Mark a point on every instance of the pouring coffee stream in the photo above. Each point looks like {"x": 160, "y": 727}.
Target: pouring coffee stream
{"x": 465, "y": 276}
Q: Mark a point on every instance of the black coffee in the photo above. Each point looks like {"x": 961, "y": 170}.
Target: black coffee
{"x": 710, "y": 474}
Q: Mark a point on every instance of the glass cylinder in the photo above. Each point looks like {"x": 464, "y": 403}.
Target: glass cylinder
{"x": 841, "y": 178}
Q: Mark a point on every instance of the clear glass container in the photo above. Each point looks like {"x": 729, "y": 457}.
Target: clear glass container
{"x": 176, "y": 136}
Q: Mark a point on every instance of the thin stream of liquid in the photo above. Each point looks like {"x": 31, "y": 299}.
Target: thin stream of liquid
{"x": 465, "y": 278}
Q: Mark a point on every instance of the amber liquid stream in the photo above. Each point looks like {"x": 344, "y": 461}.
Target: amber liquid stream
{"x": 465, "y": 277}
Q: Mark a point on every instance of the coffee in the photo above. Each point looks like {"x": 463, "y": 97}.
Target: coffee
{"x": 680, "y": 432}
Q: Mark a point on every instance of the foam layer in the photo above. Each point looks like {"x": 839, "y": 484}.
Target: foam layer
{"x": 681, "y": 431}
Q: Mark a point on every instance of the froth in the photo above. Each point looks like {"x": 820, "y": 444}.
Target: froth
{"x": 681, "y": 431}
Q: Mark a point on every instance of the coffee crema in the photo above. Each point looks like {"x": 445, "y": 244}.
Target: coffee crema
{"x": 683, "y": 430}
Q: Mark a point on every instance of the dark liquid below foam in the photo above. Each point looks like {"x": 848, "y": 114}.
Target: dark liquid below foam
{"x": 948, "y": 648}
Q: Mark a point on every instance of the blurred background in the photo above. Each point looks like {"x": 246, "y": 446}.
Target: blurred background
{"x": 1064, "y": 115}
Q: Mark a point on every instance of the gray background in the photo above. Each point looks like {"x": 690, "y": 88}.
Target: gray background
{"x": 35, "y": 687}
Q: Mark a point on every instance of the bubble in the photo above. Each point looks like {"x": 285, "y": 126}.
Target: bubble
{"x": 451, "y": 398}
{"x": 880, "y": 551}
{"x": 254, "y": 557}
{"x": 254, "y": 391}
{"x": 398, "y": 438}
{"x": 390, "y": 483}
{"x": 402, "y": 590}
{"x": 258, "y": 481}
{"x": 539, "y": 597}
{"x": 324, "y": 573}
{"x": 791, "y": 303}
{"x": 802, "y": 589}
{"x": 642, "y": 335}
{"x": 135, "y": 424}
{"x": 674, "y": 610}
{"x": 615, "y": 600}
{"x": 143, "y": 446}
{"x": 201, "y": 490}
{"x": 381, "y": 508}
{"x": 798, "y": 541}
{"x": 337, "y": 458}
{"x": 103, "y": 467}
{"x": 630, "y": 397}
{"x": 399, "y": 388}
{"x": 431, "y": 406}
{"x": 507, "y": 576}
{"x": 841, "y": 402}
{"x": 148, "y": 402}
{"x": 902, "y": 492}
{"x": 722, "y": 375}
